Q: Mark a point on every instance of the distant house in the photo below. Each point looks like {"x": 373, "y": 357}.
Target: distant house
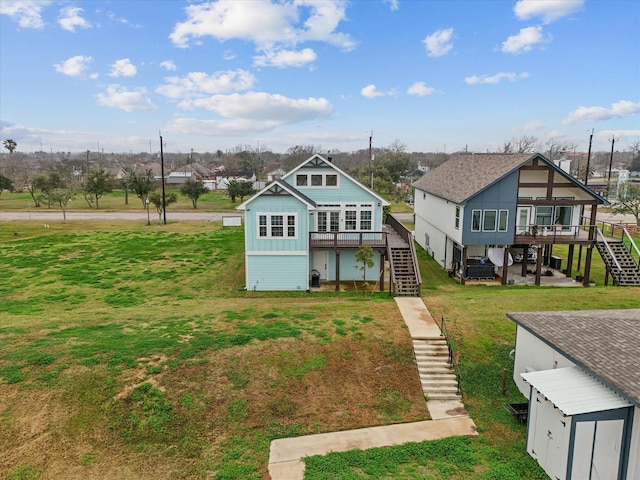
{"x": 222, "y": 178}
{"x": 475, "y": 211}
{"x": 579, "y": 371}
{"x": 307, "y": 226}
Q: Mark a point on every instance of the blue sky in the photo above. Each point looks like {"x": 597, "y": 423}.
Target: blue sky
{"x": 213, "y": 75}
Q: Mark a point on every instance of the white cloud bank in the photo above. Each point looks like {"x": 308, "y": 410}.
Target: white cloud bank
{"x": 199, "y": 84}
{"x": 548, "y": 10}
{"x": 27, "y": 13}
{"x": 274, "y": 28}
{"x": 439, "y": 42}
{"x": 623, "y": 108}
{"x": 70, "y": 18}
{"x": 525, "y": 40}
{"x": 74, "y": 66}
{"x": 123, "y": 68}
{"x": 420, "y": 89}
{"x": 495, "y": 79}
{"x": 120, "y": 97}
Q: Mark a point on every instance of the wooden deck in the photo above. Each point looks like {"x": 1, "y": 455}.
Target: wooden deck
{"x": 571, "y": 235}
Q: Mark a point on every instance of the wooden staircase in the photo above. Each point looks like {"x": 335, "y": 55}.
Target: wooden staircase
{"x": 619, "y": 262}
{"x": 437, "y": 376}
{"x": 404, "y": 272}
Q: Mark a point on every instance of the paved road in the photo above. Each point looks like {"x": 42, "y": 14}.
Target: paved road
{"x": 55, "y": 215}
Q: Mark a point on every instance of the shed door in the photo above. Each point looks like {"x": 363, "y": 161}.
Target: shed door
{"x": 547, "y": 437}
{"x": 597, "y": 448}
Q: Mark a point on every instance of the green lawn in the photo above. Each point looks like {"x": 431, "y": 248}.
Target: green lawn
{"x": 133, "y": 352}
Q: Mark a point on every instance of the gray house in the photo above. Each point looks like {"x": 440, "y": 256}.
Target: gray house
{"x": 580, "y": 372}
{"x": 475, "y": 212}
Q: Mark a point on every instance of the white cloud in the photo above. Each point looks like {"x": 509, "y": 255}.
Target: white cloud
{"x": 439, "y": 42}
{"x": 169, "y": 65}
{"x": 548, "y": 10}
{"x": 285, "y": 58}
{"x": 120, "y": 97}
{"x": 623, "y": 108}
{"x": 370, "y": 92}
{"x": 393, "y": 4}
{"x": 70, "y": 18}
{"x": 495, "y": 79}
{"x": 525, "y": 40}
{"x": 420, "y": 89}
{"x": 123, "y": 68}
{"x": 197, "y": 84}
{"x": 214, "y": 128}
{"x": 28, "y": 13}
{"x": 534, "y": 125}
{"x": 266, "y": 24}
{"x": 74, "y": 66}
{"x": 263, "y": 107}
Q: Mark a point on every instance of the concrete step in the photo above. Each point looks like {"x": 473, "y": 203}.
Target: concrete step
{"x": 443, "y": 396}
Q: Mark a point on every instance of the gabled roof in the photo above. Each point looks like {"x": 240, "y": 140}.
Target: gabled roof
{"x": 602, "y": 342}
{"x": 463, "y": 176}
{"x": 277, "y": 187}
{"x": 317, "y": 160}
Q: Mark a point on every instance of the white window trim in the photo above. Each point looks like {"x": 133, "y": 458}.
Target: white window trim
{"x": 506, "y": 224}
{"x": 324, "y": 180}
{"x": 343, "y": 208}
{"x": 473, "y": 214}
{"x": 495, "y": 222}
{"x": 285, "y": 226}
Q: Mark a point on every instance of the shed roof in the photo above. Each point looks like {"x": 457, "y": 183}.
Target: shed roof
{"x": 574, "y": 391}
{"x": 605, "y": 343}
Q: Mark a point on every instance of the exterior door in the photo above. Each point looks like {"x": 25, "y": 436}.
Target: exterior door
{"x": 524, "y": 220}
{"x": 320, "y": 263}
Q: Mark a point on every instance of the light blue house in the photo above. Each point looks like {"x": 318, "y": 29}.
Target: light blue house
{"x": 306, "y": 227}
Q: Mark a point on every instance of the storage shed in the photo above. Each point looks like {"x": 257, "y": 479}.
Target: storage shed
{"x": 580, "y": 373}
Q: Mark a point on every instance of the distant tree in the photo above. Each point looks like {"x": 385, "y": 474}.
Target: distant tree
{"x": 98, "y": 183}
{"x": 555, "y": 148}
{"x": 125, "y": 181}
{"x": 524, "y": 144}
{"x": 299, "y": 153}
{"x": 237, "y": 188}
{"x": 142, "y": 184}
{"x": 10, "y": 145}
{"x": 47, "y": 184}
{"x": 634, "y": 166}
{"x": 629, "y": 202}
{"x": 5, "y": 184}
{"x": 193, "y": 189}
{"x": 62, "y": 197}
{"x": 155, "y": 197}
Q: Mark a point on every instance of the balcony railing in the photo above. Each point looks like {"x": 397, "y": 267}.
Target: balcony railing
{"x": 347, "y": 239}
{"x": 555, "y": 233}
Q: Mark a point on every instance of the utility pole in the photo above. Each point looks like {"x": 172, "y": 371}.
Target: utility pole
{"x": 586, "y": 175}
{"x": 164, "y": 203}
{"x": 370, "y": 160}
{"x": 613, "y": 142}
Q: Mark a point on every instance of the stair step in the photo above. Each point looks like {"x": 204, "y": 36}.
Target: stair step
{"x": 443, "y": 396}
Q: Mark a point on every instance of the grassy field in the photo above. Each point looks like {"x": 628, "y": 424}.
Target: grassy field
{"x": 133, "y": 352}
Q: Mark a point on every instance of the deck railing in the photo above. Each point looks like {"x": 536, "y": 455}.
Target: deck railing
{"x": 347, "y": 239}
{"x": 407, "y": 236}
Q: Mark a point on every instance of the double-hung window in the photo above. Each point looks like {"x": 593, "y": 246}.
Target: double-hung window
{"x": 272, "y": 225}
{"x": 350, "y": 219}
{"x": 365, "y": 220}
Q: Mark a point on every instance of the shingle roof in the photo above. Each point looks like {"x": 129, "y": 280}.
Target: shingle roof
{"x": 606, "y": 343}
{"x": 462, "y": 176}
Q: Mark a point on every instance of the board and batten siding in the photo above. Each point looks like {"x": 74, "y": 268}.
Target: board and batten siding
{"x": 277, "y": 272}
{"x": 347, "y": 192}
{"x": 285, "y": 205}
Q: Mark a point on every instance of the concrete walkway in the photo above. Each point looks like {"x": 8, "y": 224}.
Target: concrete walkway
{"x": 448, "y": 417}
